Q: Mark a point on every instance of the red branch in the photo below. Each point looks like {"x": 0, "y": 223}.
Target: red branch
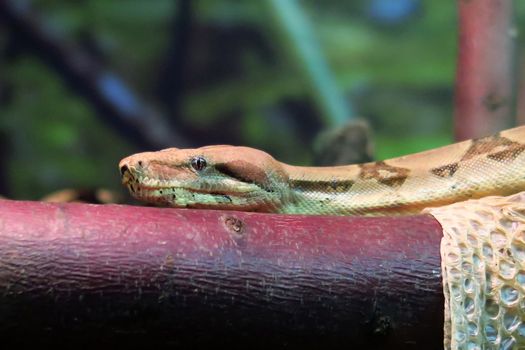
{"x": 94, "y": 274}
{"x": 485, "y": 76}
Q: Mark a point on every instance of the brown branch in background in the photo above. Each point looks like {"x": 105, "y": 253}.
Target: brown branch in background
{"x": 114, "y": 101}
{"x": 94, "y": 275}
{"x": 485, "y": 75}
{"x": 520, "y": 109}
{"x": 171, "y": 77}
{"x": 5, "y": 153}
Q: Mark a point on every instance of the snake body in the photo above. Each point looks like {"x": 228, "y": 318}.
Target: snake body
{"x": 242, "y": 178}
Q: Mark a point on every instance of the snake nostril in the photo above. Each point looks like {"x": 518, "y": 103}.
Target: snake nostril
{"x": 123, "y": 169}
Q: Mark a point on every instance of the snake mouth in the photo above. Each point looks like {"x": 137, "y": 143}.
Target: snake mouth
{"x": 191, "y": 194}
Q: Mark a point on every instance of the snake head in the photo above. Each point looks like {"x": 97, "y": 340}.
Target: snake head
{"x": 215, "y": 177}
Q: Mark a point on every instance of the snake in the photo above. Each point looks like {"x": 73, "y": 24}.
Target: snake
{"x": 247, "y": 179}
{"x": 483, "y": 245}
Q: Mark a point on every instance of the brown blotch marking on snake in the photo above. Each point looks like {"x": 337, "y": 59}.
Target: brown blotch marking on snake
{"x": 508, "y": 154}
{"x": 386, "y": 174}
{"x": 494, "y": 147}
{"x": 243, "y": 171}
{"x": 445, "y": 170}
{"x": 336, "y": 186}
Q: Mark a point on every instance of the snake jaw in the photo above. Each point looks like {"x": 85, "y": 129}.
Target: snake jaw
{"x": 214, "y": 193}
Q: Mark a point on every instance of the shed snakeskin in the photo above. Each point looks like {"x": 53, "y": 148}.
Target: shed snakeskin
{"x": 483, "y": 266}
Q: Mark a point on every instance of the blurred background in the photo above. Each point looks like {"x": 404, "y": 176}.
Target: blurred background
{"x": 84, "y": 83}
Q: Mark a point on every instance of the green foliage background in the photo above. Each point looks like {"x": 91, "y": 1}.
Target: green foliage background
{"x": 399, "y": 77}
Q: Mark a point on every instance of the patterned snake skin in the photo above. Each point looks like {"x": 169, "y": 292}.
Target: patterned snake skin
{"x": 483, "y": 263}
{"x": 242, "y": 178}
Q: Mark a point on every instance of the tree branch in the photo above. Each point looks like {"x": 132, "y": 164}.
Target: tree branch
{"x": 92, "y": 274}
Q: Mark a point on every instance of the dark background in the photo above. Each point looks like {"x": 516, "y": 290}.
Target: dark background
{"x": 212, "y": 71}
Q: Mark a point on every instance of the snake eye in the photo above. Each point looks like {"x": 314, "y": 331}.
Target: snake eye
{"x": 198, "y": 163}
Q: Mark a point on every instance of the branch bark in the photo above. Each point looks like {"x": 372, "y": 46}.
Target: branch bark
{"x": 485, "y": 85}
{"x": 91, "y": 274}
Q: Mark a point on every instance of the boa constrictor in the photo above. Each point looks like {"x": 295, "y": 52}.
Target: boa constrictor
{"x": 242, "y": 178}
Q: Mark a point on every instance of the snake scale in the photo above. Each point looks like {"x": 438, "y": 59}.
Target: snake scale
{"x": 242, "y": 178}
